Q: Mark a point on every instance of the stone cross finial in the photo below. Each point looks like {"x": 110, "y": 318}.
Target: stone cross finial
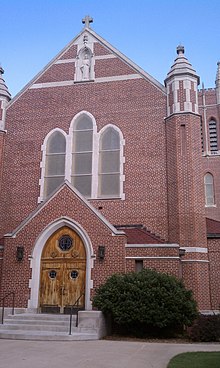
{"x": 87, "y": 20}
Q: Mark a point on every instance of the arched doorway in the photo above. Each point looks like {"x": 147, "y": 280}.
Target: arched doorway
{"x": 62, "y": 272}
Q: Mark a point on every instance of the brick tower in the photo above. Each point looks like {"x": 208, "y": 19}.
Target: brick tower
{"x": 186, "y": 212}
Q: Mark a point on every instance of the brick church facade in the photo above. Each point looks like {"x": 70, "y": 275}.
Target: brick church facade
{"x": 105, "y": 170}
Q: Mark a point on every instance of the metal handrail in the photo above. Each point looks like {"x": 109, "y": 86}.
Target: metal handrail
{"x": 3, "y": 304}
{"x": 71, "y": 312}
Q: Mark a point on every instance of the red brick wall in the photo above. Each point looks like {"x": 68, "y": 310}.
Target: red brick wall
{"x": 168, "y": 266}
{"x": 101, "y": 50}
{"x": 196, "y": 278}
{"x": 70, "y": 53}
{"x": 211, "y": 163}
{"x": 111, "y": 67}
{"x": 129, "y": 105}
{"x": 156, "y": 258}
{"x": 214, "y": 268}
{"x": 64, "y": 204}
{"x": 57, "y": 73}
{"x": 185, "y": 184}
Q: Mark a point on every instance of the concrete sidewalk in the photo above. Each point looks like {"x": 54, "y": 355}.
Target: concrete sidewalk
{"x": 92, "y": 354}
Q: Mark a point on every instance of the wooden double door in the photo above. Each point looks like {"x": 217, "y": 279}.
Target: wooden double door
{"x": 63, "y": 272}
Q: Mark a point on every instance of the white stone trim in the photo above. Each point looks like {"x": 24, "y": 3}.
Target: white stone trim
{"x": 115, "y": 78}
{"x": 122, "y": 159}
{"x": 151, "y": 246}
{"x": 43, "y": 161}
{"x": 107, "y": 56}
{"x": 95, "y": 156}
{"x": 3, "y": 105}
{"x": 195, "y": 260}
{"x": 82, "y": 50}
{"x": 52, "y": 84}
{"x": 206, "y": 106}
{"x": 153, "y": 257}
{"x": 100, "y": 57}
{"x": 94, "y": 148}
{"x": 65, "y": 61}
{"x": 197, "y": 97}
{"x": 175, "y": 89}
{"x": 195, "y": 249}
{"x": 35, "y": 259}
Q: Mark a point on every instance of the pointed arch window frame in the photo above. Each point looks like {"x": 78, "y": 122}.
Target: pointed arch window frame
{"x": 121, "y": 162}
{"x": 95, "y": 158}
{"x": 44, "y": 146}
{"x": 209, "y": 199}
{"x": 70, "y": 148}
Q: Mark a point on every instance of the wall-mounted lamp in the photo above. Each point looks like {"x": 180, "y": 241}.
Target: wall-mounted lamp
{"x": 19, "y": 253}
{"x": 182, "y": 252}
{"x": 101, "y": 252}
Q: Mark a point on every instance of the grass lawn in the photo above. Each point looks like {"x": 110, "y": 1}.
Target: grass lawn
{"x": 196, "y": 360}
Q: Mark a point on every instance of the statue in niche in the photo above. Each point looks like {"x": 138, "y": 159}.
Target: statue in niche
{"x": 85, "y": 67}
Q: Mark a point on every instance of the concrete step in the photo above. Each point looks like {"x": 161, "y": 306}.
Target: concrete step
{"x": 37, "y": 322}
{"x": 36, "y": 327}
{"x": 32, "y": 326}
{"x": 40, "y": 316}
{"x": 46, "y": 335}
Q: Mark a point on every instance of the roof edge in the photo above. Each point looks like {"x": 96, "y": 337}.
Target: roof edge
{"x": 106, "y": 44}
{"x": 53, "y": 194}
{"x": 127, "y": 60}
{"x": 14, "y": 99}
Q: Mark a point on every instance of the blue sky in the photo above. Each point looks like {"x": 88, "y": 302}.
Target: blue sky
{"x": 146, "y": 31}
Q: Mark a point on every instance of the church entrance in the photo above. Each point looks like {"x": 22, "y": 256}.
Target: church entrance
{"x": 63, "y": 272}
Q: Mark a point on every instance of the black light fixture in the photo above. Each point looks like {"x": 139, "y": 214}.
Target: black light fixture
{"x": 101, "y": 252}
{"x": 19, "y": 253}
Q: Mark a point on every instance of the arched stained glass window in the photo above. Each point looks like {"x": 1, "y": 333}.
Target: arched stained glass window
{"x": 209, "y": 189}
{"x": 109, "y": 163}
{"x": 82, "y": 153}
{"x": 55, "y": 162}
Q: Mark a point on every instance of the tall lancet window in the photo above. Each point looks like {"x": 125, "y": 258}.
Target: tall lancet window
{"x": 55, "y": 162}
{"x": 213, "y": 139}
{"x": 209, "y": 190}
{"x": 109, "y": 163}
{"x": 81, "y": 175}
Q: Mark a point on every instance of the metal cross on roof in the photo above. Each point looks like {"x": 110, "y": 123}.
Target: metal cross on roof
{"x": 87, "y": 20}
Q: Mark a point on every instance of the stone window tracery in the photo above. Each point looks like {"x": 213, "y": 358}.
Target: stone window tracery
{"x": 91, "y": 161}
{"x": 209, "y": 190}
{"x": 54, "y": 162}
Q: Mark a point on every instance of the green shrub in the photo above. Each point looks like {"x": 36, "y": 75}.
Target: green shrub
{"x": 206, "y": 328}
{"x": 146, "y": 301}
